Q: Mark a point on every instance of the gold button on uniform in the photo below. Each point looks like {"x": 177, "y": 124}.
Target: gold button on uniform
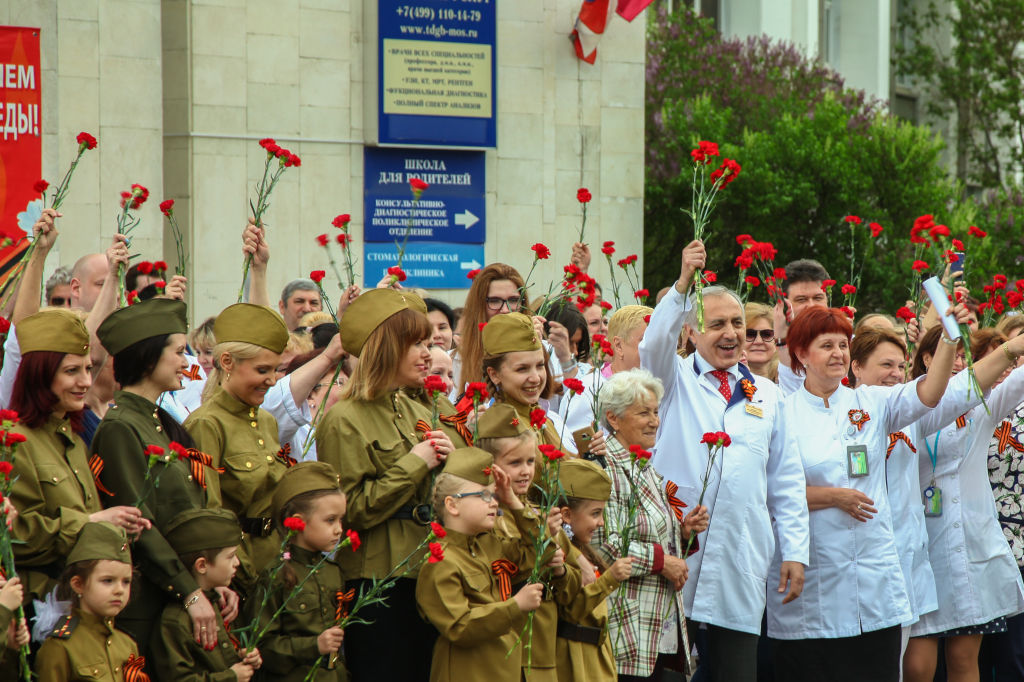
{"x": 269, "y": 458}
{"x": 252, "y": 424}
{"x": 248, "y": 465}
{"x": 260, "y": 441}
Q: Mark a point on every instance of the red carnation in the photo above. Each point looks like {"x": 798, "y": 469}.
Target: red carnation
{"x": 321, "y": 239}
{"x": 583, "y": 195}
{"x": 905, "y": 314}
{"x": 317, "y": 276}
{"x": 477, "y": 390}
{"x": 131, "y": 296}
{"x": 153, "y": 450}
{"x": 13, "y": 438}
{"x": 342, "y": 220}
{"x": 828, "y": 284}
{"x": 166, "y": 207}
{"x": 845, "y": 381}
{"x": 751, "y": 280}
{"x": 853, "y": 220}
{"x": 605, "y": 305}
{"x": 294, "y": 524}
{"x": 919, "y": 265}
{"x": 266, "y": 142}
{"x": 551, "y": 452}
{"x": 159, "y": 286}
{"x": 438, "y": 530}
{"x": 976, "y": 232}
{"x": 481, "y": 325}
{"x": 397, "y": 272}
{"x": 178, "y": 449}
{"x": 709, "y": 276}
{"x": 938, "y": 231}
{"x": 434, "y": 384}
{"x": 5, "y": 326}
{"x": 639, "y": 453}
{"x": 86, "y": 139}
{"x": 342, "y": 239}
{"x": 353, "y": 539}
{"x": 417, "y": 186}
{"x": 473, "y": 273}
{"x": 957, "y": 245}
{"x": 574, "y": 385}
{"x": 727, "y": 172}
{"x": 6, "y": 468}
{"x": 160, "y": 266}
{"x": 538, "y": 418}
{"x": 436, "y": 553}
{"x": 876, "y": 229}
{"x": 849, "y": 289}
{"x": 40, "y": 186}
{"x": 848, "y": 310}
{"x": 608, "y": 248}
{"x": 542, "y": 252}
{"x": 1014, "y": 298}
{"x": 8, "y": 417}
{"x": 144, "y": 268}
{"x": 640, "y": 294}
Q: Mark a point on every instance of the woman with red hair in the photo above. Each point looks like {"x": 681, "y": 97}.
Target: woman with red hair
{"x": 846, "y": 623}
{"x": 54, "y": 491}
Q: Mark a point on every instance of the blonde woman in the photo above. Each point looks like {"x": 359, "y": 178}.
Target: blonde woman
{"x": 762, "y": 353}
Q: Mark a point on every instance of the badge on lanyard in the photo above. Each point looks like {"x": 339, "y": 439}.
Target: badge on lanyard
{"x": 857, "y": 460}
{"x": 932, "y": 498}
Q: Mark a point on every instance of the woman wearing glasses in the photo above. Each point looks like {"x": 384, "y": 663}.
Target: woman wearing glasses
{"x": 761, "y": 352}
{"x": 385, "y": 465}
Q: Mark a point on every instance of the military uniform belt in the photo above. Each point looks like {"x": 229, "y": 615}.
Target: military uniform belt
{"x": 420, "y": 513}
{"x": 580, "y": 633}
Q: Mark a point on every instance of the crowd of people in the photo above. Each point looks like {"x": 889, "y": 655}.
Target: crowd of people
{"x": 707, "y": 489}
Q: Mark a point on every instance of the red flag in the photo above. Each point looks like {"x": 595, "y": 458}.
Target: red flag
{"x": 628, "y": 9}
{"x": 589, "y": 27}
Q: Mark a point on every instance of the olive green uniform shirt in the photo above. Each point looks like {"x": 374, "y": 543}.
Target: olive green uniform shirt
{"x": 548, "y": 436}
{"x": 289, "y": 648}
{"x": 242, "y": 440}
{"x": 54, "y": 493}
{"x": 369, "y": 444}
{"x": 175, "y": 656}
{"x": 84, "y": 647}
{"x": 130, "y": 425}
{"x": 461, "y": 597}
{"x": 582, "y": 661}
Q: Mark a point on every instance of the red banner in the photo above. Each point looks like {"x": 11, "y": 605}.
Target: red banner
{"x": 20, "y": 137}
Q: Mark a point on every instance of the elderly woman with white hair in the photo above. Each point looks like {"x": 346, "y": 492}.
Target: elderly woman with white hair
{"x": 646, "y": 618}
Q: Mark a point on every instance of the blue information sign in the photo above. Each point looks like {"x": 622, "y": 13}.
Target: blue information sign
{"x": 431, "y": 265}
{"x": 452, "y": 209}
{"x": 437, "y": 68}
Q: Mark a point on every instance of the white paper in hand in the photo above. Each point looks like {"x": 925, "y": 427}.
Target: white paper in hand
{"x": 940, "y": 301}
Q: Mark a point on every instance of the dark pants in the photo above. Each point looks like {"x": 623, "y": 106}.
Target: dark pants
{"x": 724, "y": 655}
{"x": 1002, "y": 654}
{"x": 873, "y": 656}
{"x": 666, "y": 669}
{"x": 397, "y": 644}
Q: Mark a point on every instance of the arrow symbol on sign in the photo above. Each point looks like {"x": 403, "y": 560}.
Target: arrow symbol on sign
{"x": 471, "y": 265}
{"x": 466, "y": 218}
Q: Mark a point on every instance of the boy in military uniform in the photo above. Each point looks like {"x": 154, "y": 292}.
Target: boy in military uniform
{"x": 207, "y": 542}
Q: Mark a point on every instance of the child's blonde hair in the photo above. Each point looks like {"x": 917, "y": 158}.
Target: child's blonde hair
{"x": 499, "y": 446}
{"x": 445, "y": 486}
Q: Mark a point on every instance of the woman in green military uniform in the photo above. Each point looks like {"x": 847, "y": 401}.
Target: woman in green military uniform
{"x": 370, "y": 438}
{"x": 147, "y": 343}
{"x": 240, "y": 437}
{"x": 53, "y": 488}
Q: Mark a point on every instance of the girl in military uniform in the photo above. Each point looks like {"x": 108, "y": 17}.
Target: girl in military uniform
{"x": 241, "y": 438}
{"x": 53, "y": 487}
{"x": 370, "y": 439}
{"x": 306, "y": 630}
{"x": 584, "y": 650}
{"x": 146, "y": 342}
{"x": 467, "y": 595}
{"x": 85, "y": 645}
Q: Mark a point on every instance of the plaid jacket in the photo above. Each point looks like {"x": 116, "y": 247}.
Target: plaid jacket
{"x": 637, "y": 611}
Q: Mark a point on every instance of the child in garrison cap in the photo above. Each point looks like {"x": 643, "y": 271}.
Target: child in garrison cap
{"x": 306, "y": 633}
{"x": 85, "y": 645}
{"x": 584, "y": 650}
{"x": 207, "y": 542}
{"x": 467, "y": 595}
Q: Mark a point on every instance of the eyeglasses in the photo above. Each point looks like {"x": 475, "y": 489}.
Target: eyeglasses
{"x": 766, "y": 334}
{"x": 485, "y": 495}
{"x": 60, "y": 301}
{"x": 513, "y": 303}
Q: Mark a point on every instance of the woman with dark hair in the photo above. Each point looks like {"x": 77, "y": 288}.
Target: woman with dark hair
{"x": 371, "y": 439}
{"x": 53, "y": 489}
{"x": 846, "y": 623}
{"x": 442, "y": 319}
{"x": 575, "y": 344}
{"x": 146, "y": 342}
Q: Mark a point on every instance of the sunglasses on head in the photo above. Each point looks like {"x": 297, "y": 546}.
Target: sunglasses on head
{"x": 766, "y": 334}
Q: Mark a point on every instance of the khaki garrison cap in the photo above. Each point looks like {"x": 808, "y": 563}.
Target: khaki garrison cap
{"x": 195, "y": 530}
{"x": 501, "y": 421}
{"x": 509, "y": 333}
{"x": 304, "y": 477}
{"x": 60, "y": 331}
{"x": 127, "y": 326}
{"x": 585, "y": 480}
{"x": 100, "y": 541}
{"x": 471, "y": 464}
{"x": 255, "y": 324}
{"x": 369, "y": 311}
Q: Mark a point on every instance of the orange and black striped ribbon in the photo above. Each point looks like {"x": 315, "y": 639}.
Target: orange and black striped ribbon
{"x": 285, "y": 455}
{"x": 235, "y": 642}
{"x": 896, "y": 438}
{"x": 96, "y": 467}
{"x": 1004, "y": 434}
{"x": 961, "y": 421}
{"x": 504, "y": 569}
{"x": 422, "y": 427}
{"x": 677, "y": 505}
{"x": 197, "y": 463}
{"x": 748, "y": 388}
{"x": 133, "y": 669}
{"x": 344, "y": 599}
{"x": 192, "y": 373}
{"x": 458, "y": 422}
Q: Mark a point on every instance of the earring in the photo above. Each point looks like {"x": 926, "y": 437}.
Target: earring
{"x": 228, "y": 378}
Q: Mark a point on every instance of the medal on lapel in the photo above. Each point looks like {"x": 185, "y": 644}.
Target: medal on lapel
{"x": 857, "y": 420}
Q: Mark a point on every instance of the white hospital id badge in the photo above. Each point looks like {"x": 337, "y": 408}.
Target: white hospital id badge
{"x": 857, "y": 460}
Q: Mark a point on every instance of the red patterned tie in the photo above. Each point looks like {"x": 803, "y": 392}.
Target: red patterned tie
{"x": 723, "y": 380}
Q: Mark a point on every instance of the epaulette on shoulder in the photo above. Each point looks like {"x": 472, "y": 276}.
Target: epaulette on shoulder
{"x": 65, "y": 627}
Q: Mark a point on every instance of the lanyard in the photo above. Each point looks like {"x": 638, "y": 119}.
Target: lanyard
{"x": 933, "y": 451}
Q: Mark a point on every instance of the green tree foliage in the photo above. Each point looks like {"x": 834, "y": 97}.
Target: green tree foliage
{"x": 812, "y": 152}
{"x": 966, "y": 57}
